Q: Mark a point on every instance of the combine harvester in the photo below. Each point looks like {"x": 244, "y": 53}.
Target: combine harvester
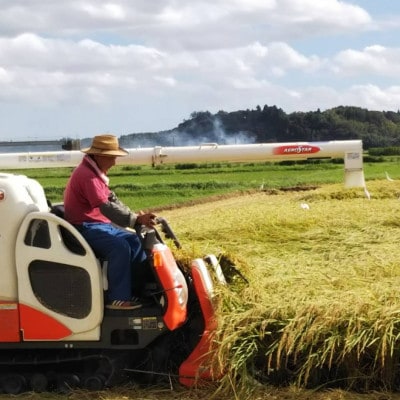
{"x": 54, "y": 331}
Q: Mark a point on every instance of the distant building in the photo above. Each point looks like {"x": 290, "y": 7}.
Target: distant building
{"x": 24, "y": 146}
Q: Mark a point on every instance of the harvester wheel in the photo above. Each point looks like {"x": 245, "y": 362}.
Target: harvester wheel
{"x": 38, "y": 382}
{"x": 13, "y": 384}
{"x": 94, "y": 382}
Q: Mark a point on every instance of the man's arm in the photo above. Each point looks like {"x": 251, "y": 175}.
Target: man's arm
{"x": 122, "y": 215}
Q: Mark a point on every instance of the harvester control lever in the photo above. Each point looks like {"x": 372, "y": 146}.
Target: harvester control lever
{"x": 168, "y": 232}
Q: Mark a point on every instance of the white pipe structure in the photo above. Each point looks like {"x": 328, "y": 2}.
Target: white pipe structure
{"x": 350, "y": 150}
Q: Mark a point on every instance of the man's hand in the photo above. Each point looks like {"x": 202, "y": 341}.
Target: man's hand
{"x": 147, "y": 219}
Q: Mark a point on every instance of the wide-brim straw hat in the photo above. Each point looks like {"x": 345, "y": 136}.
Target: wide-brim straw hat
{"x": 105, "y": 145}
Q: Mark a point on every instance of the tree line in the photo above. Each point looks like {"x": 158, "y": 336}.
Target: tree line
{"x": 269, "y": 124}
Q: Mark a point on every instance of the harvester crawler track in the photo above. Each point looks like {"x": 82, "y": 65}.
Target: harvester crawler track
{"x": 30, "y": 370}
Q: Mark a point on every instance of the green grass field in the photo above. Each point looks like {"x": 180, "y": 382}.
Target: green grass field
{"x": 144, "y": 187}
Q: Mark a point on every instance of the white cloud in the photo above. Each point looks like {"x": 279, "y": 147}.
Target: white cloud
{"x": 173, "y": 57}
{"x": 332, "y": 12}
{"x": 376, "y": 98}
{"x": 5, "y": 76}
{"x": 105, "y": 11}
{"x": 374, "y": 59}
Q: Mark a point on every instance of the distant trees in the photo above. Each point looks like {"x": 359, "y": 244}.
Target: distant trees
{"x": 272, "y": 124}
{"x": 70, "y": 144}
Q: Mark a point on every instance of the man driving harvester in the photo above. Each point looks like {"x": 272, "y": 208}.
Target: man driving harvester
{"x": 101, "y": 217}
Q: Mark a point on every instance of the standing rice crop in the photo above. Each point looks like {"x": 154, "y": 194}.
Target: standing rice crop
{"x": 321, "y": 305}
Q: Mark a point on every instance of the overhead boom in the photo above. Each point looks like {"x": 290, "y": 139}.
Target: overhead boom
{"x": 350, "y": 150}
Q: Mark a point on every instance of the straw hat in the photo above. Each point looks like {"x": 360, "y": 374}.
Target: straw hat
{"x": 105, "y": 145}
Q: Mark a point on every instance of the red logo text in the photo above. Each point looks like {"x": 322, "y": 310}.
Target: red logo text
{"x": 296, "y": 149}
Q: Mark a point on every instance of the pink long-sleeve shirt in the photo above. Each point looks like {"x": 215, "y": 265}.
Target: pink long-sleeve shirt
{"x": 83, "y": 195}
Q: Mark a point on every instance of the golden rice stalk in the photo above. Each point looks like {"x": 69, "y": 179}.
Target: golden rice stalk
{"x": 321, "y": 305}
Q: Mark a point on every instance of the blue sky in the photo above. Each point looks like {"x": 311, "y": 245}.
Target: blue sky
{"x": 84, "y": 67}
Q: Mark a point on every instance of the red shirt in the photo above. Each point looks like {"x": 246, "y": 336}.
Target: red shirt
{"x": 84, "y": 193}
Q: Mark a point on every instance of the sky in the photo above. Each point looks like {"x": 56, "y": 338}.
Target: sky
{"x": 79, "y": 68}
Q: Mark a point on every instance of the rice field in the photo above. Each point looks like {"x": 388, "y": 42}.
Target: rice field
{"x": 312, "y": 310}
{"x": 321, "y": 308}
{"x": 318, "y": 315}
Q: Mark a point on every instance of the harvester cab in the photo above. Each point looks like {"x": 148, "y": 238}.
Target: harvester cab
{"x": 54, "y": 329}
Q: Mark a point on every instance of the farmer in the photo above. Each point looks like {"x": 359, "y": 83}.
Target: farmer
{"x": 101, "y": 217}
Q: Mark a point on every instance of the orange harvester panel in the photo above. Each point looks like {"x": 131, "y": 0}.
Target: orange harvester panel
{"x": 198, "y": 365}
{"x": 39, "y": 326}
{"x": 175, "y": 287}
{"x": 9, "y": 322}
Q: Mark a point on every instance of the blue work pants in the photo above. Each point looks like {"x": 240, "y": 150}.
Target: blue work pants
{"x": 123, "y": 252}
